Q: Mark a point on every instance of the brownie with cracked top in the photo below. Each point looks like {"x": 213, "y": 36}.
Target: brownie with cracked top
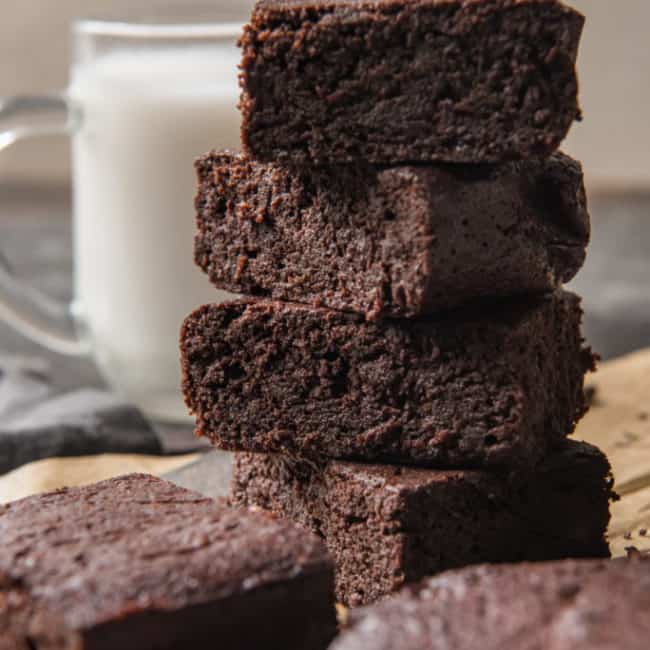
{"x": 397, "y": 241}
{"x": 497, "y": 385}
{"x": 387, "y": 81}
{"x": 569, "y": 605}
{"x": 386, "y": 525}
{"x": 138, "y": 563}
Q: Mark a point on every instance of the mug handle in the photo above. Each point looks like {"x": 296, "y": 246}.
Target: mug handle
{"x": 35, "y": 315}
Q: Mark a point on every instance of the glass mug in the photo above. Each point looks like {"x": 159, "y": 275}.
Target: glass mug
{"x": 143, "y": 102}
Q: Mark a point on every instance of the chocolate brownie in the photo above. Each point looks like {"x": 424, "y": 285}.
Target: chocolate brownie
{"x": 397, "y": 241}
{"x": 138, "y": 563}
{"x": 391, "y": 81}
{"x": 385, "y": 525}
{"x": 493, "y": 386}
{"x": 569, "y": 605}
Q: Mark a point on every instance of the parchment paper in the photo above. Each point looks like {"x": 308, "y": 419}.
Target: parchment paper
{"x": 619, "y": 423}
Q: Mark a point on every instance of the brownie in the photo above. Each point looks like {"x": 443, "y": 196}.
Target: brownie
{"x": 138, "y": 563}
{"x": 569, "y": 605}
{"x": 386, "y": 525}
{"x": 397, "y": 241}
{"x": 388, "y": 81}
{"x": 494, "y": 386}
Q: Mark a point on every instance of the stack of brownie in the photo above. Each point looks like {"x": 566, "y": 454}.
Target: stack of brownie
{"x": 405, "y": 369}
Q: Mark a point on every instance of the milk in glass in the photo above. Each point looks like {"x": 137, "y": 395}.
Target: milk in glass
{"x": 145, "y": 117}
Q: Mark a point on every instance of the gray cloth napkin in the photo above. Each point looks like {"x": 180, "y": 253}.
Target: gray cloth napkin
{"x": 36, "y": 422}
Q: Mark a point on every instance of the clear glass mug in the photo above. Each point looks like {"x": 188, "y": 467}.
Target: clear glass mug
{"x": 143, "y": 101}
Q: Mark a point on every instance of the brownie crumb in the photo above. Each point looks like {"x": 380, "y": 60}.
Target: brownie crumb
{"x": 591, "y": 395}
{"x": 242, "y": 260}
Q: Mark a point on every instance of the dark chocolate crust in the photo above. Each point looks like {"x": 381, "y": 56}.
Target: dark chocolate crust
{"x": 398, "y": 241}
{"x": 495, "y": 386}
{"x": 387, "y": 525}
{"x": 569, "y": 605}
{"x": 137, "y": 563}
{"x": 389, "y": 81}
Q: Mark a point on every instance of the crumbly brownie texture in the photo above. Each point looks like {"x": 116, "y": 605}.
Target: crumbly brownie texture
{"x": 386, "y": 525}
{"x": 569, "y": 605}
{"x": 391, "y": 81}
{"x": 488, "y": 387}
{"x": 399, "y": 241}
{"x": 138, "y": 563}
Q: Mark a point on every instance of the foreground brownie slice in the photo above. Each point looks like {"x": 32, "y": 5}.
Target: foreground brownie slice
{"x": 385, "y": 525}
{"x": 569, "y": 605}
{"x": 397, "y": 241}
{"x": 491, "y": 386}
{"x": 138, "y": 563}
{"x": 393, "y": 81}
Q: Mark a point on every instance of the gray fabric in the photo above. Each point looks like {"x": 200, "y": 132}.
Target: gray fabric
{"x": 37, "y": 423}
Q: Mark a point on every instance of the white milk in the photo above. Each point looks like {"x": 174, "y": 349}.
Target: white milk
{"x": 146, "y": 116}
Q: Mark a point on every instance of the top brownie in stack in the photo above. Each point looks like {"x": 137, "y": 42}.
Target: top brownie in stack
{"x": 388, "y": 81}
